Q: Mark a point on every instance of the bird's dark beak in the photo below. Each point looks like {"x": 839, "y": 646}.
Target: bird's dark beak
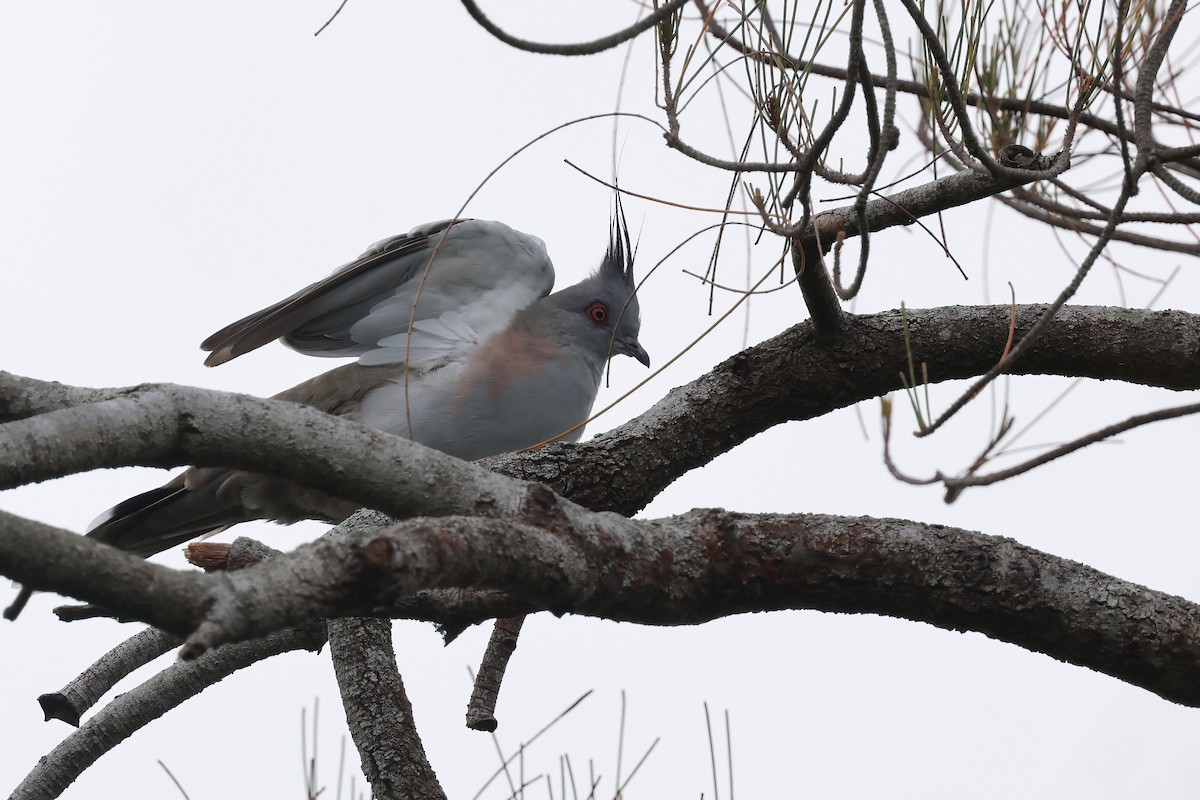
{"x": 630, "y": 346}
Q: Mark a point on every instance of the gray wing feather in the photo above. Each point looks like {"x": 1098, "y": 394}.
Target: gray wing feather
{"x": 321, "y": 308}
{"x": 484, "y": 271}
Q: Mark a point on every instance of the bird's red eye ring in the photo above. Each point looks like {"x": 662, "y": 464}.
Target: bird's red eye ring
{"x": 598, "y": 313}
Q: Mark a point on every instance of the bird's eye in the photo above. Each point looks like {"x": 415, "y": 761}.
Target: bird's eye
{"x": 598, "y": 312}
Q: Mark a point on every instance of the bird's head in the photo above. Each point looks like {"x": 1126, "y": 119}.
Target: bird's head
{"x": 602, "y": 310}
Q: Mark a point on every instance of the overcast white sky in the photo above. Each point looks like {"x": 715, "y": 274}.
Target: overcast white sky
{"x": 168, "y": 167}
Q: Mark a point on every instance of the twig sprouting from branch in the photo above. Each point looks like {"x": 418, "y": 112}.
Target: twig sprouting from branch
{"x": 955, "y": 486}
{"x": 481, "y": 710}
{"x": 71, "y": 702}
{"x": 819, "y": 294}
{"x": 1142, "y": 164}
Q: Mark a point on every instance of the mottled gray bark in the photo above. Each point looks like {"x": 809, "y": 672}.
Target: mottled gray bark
{"x": 143, "y": 704}
{"x": 790, "y": 377}
{"x": 500, "y": 547}
{"x": 700, "y": 566}
{"x": 378, "y": 711}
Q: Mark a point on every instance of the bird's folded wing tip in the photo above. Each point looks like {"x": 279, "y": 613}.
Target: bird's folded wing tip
{"x": 218, "y": 357}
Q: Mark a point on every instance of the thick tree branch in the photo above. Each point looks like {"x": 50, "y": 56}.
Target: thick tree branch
{"x": 708, "y": 564}
{"x": 795, "y": 376}
{"x": 378, "y": 711}
{"x": 790, "y": 377}
{"x": 171, "y": 425}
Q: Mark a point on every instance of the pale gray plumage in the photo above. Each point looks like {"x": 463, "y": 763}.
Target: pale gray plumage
{"x": 494, "y": 364}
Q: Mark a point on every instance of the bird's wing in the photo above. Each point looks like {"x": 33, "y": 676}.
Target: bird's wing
{"x": 483, "y": 273}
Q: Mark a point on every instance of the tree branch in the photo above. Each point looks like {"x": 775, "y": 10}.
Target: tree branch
{"x": 73, "y": 700}
{"x": 707, "y": 564}
{"x": 378, "y": 711}
{"x": 795, "y": 376}
{"x": 790, "y": 377}
{"x": 145, "y": 703}
{"x": 581, "y": 48}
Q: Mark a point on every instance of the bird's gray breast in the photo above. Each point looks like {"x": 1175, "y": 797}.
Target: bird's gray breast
{"x": 509, "y": 395}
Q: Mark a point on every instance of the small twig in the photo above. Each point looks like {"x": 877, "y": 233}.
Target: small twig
{"x": 620, "y": 744}
{"x": 1012, "y": 322}
{"x": 504, "y": 767}
{"x": 729, "y": 751}
{"x": 955, "y": 486}
{"x": 885, "y": 407}
{"x": 18, "y": 604}
{"x": 638, "y": 765}
{"x": 332, "y": 18}
{"x": 174, "y": 780}
{"x": 481, "y": 710}
{"x": 712, "y": 752}
{"x": 661, "y": 200}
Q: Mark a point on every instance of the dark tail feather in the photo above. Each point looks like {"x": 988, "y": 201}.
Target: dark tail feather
{"x": 163, "y": 518}
{"x": 157, "y": 520}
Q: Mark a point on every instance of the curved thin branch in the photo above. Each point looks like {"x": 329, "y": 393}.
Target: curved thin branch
{"x": 1012, "y": 357}
{"x": 1071, "y": 222}
{"x": 1098, "y": 212}
{"x": 582, "y": 48}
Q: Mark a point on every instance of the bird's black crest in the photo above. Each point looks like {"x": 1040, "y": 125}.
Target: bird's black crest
{"x": 618, "y": 261}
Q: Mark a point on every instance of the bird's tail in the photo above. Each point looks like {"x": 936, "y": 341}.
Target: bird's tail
{"x": 165, "y": 517}
{"x": 160, "y": 519}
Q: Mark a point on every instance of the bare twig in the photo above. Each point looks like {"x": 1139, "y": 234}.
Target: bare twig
{"x": 955, "y": 486}
{"x": 481, "y": 710}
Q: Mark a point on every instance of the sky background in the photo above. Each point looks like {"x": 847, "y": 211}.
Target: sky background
{"x": 166, "y": 168}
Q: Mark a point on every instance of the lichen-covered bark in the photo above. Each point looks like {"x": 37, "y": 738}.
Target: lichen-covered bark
{"x": 795, "y": 377}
